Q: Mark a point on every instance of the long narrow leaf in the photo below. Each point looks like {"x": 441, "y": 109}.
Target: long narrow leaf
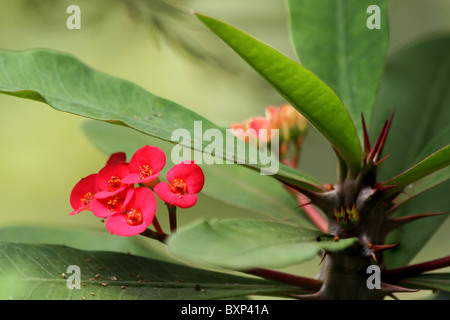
{"x": 305, "y": 91}
{"x": 437, "y": 161}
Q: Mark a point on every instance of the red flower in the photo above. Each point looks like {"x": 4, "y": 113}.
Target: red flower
{"x": 186, "y": 179}
{"x": 105, "y": 207}
{"x": 135, "y": 216}
{"x": 145, "y": 166}
{"x": 109, "y": 179}
{"x": 83, "y": 193}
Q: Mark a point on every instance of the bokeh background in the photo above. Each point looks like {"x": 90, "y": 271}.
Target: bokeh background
{"x": 163, "y": 48}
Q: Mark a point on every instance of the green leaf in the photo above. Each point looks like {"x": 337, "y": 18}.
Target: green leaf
{"x": 241, "y": 244}
{"x": 435, "y": 162}
{"x": 67, "y": 85}
{"x": 300, "y": 87}
{"x": 333, "y": 40}
{"x": 35, "y": 271}
{"x": 432, "y": 281}
{"x": 416, "y": 86}
{"x": 423, "y": 185}
{"x": 231, "y": 184}
{"x": 415, "y": 235}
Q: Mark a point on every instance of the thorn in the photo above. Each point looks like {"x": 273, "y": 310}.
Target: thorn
{"x": 323, "y": 257}
{"x": 312, "y": 195}
{"x": 381, "y": 247}
{"x": 366, "y": 136}
{"x": 374, "y": 257}
{"x": 382, "y": 160}
{"x": 379, "y": 143}
{"x": 384, "y": 188}
{"x": 374, "y": 149}
{"x": 388, "y": 289}
{"x": 400, "y": 221}
{"x": 383, "y": 140}
{"x": 380, "y": 149}
{"x": 379, "y": 188}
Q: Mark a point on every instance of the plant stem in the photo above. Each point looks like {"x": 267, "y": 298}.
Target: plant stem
{"x": 161, "y": 237}
{"x": 157, "y": 225}
{"x": 416, "y": 269}
{"x": 305, "y": 283}
{"x": 172, "y": 217}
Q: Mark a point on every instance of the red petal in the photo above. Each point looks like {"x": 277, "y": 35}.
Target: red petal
{"x": 162, "y": 189}
{"x": 105, "y": 207}
{"x": 79, "y": 191}
{"x": 144, "y": 201}
{"x": 119, "y": 170}
{"x": 148, "y": 155}
{"x": 190, "y": 173}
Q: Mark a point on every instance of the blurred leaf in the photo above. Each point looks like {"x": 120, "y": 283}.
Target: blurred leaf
{"x": 300, "y": 87}
{"x": 231, "y": 184}
{"x": 67, "y": 85}
{"x": 332, "y": 39}
{"x": 241, "y": 244}
{"x": 36, "y": 272}
{"x": 168, "y": 20}
{"x": 433, "y": 281}
{"x": 416, "y": 85}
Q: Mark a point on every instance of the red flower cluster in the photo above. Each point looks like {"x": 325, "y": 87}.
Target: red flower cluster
{"x": 123, "y": 192}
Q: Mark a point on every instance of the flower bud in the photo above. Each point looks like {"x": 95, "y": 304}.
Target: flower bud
{"x": 291, "y": 125}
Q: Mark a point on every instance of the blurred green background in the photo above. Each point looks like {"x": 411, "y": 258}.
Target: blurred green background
{"x": 162, "y": 47}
